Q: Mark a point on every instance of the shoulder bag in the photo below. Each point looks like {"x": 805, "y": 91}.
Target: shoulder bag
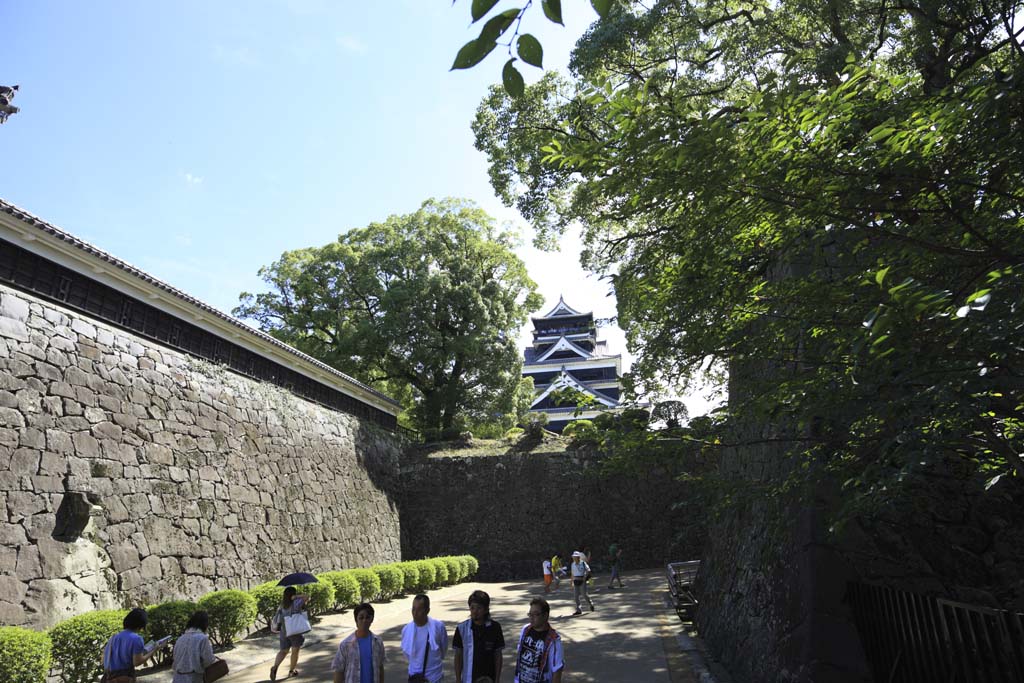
{"x": 217, "y": 670}
{"x": 297, "y": 624}
{"x": 422, "y": 676}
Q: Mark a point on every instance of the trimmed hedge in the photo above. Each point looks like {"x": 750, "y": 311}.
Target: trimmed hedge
{"x": 428, "y": 574}
{"x": 369, "y": 583}
{"x": 392, "y": 580}
{"x": 72, "y": 648}
{"x": 268, "y": 598}
{"x": 321, "y": 597}
{"x": 25, "y": 655}
{"x": 440, "y": 571}
{"x": 79, "y": 642}
{"x": 474, "y": 566}
{"x": 455, "y": 573}
{"x": 410, "y": 576}
{"x": 230, "y": 611}
{"x": 168, "y": 619}
{"x": 346, "y": 588}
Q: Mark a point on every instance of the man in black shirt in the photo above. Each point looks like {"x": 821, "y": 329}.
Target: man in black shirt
{"x": 478, "y": 643}
{"x": 539, "y": 656}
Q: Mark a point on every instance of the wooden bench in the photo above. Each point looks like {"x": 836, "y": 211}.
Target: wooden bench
{"x": 680, "y": 584}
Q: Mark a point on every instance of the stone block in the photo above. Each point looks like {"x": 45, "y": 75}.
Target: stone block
{"x": 11, "y": 417}
{"x": 82, "y": 328}
{"x": 59, "y": 442}
{"x": 151, "y": 569}
{"x": 107, "y": 430}
{"x": 25, "y": 461}
{"x": 72, "y": 423}
{"x": 13, "y": 307}
{"x": 86, "y": 446}
{"x": 47, "y": 484}
{"x": 32, "y": 438}
{"x": 14, "y": 329}
{"x": 12, "y": 535}
{"x": 40, "y": 526}
{"x": 28, "y": 566}
{"x": 124, "y": 556}
{"x": 8, "y": 399}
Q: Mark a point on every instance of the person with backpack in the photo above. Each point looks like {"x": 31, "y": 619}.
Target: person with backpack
{"x": 539, "y": 655}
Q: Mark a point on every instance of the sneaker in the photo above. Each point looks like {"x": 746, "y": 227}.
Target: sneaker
{"x": 577, "y": 612}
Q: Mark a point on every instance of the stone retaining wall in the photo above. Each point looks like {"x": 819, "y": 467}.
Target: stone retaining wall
{"x": 132, "y": 473}
{"x": 512, "y": 510}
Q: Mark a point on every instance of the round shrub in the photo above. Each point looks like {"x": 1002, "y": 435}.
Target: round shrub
{"x": 474, "y": 566}
{"x": 427, "y": 575}
{"x": 231, "y": 611}
{"x": 391, "y": 580}
{"x": 513, "y": 434}
{"x": 321, "y": 597}
{"x": 78, "y": 642}
{"x": 24, "y": 655}
{"x": 454, "y": 569}
{"x": 440, "y": 571}
{"x": 346, "y": 588}
{"x": 168, "y": 619}
{"x": 410, "y": 576}
{"x": 463, "y": 561}
{"x": 268, "y": 598}
{"x": 369, "y": 583}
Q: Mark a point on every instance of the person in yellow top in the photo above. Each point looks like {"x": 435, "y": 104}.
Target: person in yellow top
{"x": 556, "y": 568}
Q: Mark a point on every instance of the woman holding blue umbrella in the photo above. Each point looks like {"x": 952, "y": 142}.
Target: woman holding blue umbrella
{"x": 291, "y": 622}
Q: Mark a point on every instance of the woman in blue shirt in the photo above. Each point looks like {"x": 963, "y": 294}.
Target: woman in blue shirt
{"x": 126, "y": 649}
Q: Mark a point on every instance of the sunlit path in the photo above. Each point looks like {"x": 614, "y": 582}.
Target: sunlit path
{"x": 625, "y": 639}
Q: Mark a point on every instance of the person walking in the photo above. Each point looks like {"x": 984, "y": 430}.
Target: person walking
{"x": 126, "y": 649}
{"x": 615, "y": 557}
{"x": 539, "y": 656}
{"x": 549, "y": 575}
{"x": 424, "y": 642}
{"x": 360, "y": 657}
{"x": 478, "y": 643}
{"x": 193, "y": 652}
{"x": 580, "y": 570}
{"x": 291, "y": 604}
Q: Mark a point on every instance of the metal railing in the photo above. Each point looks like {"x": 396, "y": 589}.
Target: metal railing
{"x": 911, "y": 638}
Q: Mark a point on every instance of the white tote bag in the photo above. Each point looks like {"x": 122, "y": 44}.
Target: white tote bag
{"x": 297, "y": 624}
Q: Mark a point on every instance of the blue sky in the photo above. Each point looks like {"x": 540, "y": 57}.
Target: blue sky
{"x": 200, "y": 140}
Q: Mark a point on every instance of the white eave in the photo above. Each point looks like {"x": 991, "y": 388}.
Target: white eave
{"x": 50, "y": 242}
{"x": 567, "y": 380}
{"x": 564, "y": 344}
{"x": 562, "y": 308}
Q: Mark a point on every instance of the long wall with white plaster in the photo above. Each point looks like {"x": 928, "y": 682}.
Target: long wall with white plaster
{"x": 131, "y": 473}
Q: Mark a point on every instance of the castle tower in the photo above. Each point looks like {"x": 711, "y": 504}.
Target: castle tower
{"x": 566, "y": 353}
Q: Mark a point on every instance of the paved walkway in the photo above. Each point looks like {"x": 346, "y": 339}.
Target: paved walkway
{"x": 632, "y": 636}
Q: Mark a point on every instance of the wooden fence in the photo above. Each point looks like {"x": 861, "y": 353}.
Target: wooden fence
{"x": 912, "y": 638}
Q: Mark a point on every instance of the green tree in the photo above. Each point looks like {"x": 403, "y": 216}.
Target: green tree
{"x": 426, "y": 306}
{"x": 825, "y": 196}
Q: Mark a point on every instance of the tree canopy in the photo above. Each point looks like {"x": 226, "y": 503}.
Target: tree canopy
{"x": 425, "y": 306}
{"x": 825, "y": 196}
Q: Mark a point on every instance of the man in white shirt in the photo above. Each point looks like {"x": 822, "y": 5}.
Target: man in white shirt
{"x": 424, "y": 642}
{"x": 579, "y": 570}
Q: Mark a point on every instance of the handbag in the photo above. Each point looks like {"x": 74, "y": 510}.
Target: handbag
{"x": 297, "y": 624}
{"x": 217, "y": 670}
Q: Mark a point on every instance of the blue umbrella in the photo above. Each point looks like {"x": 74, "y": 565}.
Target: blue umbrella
{"x": 297, "y": 579}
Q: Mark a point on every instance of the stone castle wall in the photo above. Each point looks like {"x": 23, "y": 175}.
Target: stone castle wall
{"x": 132, "y": 473}
{"x": 513, "y": 510}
